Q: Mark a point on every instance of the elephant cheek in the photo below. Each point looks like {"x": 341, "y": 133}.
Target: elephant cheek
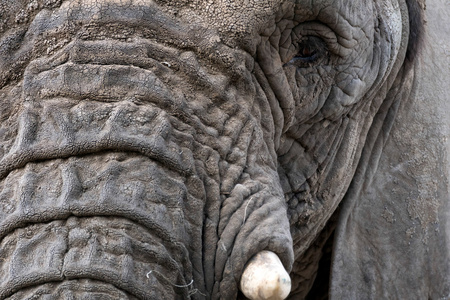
{"x": 258, "y": 223}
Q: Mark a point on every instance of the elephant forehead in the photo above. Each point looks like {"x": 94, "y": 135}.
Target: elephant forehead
{"x": 240, "y": 22}
{"x": 234, "y": 18}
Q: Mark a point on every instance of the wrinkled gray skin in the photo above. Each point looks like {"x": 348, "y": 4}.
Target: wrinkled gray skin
{"x": 393, "y": 237}
{"x": 148, "y": 149}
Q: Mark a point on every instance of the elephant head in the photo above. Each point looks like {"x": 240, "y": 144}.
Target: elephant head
{"x": 161, "y": 149}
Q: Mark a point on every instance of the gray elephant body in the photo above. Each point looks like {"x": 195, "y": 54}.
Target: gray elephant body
{"x": 149, "y": 149}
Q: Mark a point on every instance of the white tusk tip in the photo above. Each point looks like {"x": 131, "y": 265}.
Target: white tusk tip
{"x": 264, "y": 278}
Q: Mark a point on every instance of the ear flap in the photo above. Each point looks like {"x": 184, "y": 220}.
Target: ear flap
{"x": 392, "y": 238}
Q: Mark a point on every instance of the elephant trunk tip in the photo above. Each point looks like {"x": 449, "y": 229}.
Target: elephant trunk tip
{"x": 265, "y": 278}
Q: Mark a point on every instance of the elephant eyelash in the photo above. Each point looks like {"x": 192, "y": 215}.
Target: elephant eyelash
{"x": 310, "y": 51}
{"x": 306, "y": 54}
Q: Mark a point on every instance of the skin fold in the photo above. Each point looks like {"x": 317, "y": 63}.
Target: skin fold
{"x": 151, "y": 149}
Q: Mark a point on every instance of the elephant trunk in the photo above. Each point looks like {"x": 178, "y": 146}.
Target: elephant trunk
{"x": 69, "y": 220}
{"x": 137, "y": 164}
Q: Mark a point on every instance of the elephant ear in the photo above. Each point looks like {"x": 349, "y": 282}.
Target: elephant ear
{"x": 392, "y": 238}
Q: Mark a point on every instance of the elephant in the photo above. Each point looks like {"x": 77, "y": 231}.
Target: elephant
{"x": 260, "y": 149}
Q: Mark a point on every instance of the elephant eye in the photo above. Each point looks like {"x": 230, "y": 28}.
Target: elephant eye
{"x": 306, "y": 53}
{"x": 310, "y": 51}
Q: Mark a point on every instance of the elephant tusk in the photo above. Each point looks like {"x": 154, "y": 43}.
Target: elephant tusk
{"x": 264, "y": 278}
